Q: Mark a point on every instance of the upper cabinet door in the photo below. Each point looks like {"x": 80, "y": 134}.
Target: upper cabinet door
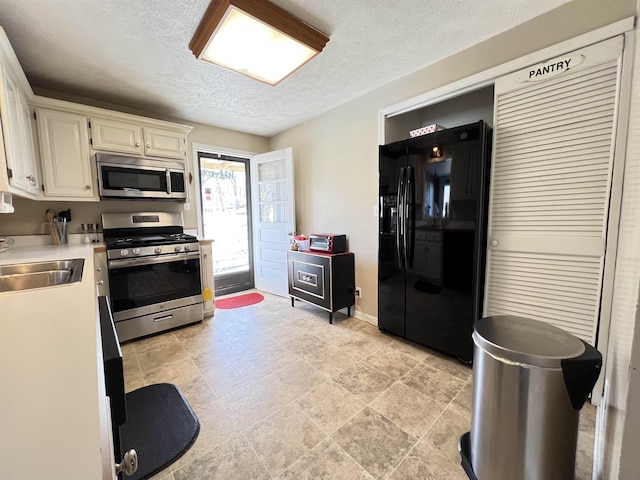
{"x": 28, "y": 146}
{"x": 18, "y": 137}
{"x": 66, "y": 160}
{"x": 115, "y": 136}
{"x": 159, "y": 142}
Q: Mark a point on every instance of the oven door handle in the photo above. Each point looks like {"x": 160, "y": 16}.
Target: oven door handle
{"x": 137, "y": 262}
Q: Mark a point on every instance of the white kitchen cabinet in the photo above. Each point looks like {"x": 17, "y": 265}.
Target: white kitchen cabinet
{"x": 65, "y": 156}
{"x": 21, "y": 170}
{"x": 116, "y": 136}
{"x": 124, "y": 137}
{"x": 159, "y": 142}
{"x": 52, "y": 374}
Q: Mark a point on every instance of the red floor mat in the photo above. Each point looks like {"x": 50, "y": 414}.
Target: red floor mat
{"x": 239, "y": 301}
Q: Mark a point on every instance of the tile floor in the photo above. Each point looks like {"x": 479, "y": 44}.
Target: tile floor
{"x": 281, "y": 393}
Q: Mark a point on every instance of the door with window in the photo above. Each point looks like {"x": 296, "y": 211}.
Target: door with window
{"x": 273, "y": 204}
{"x": 226, "y": 218}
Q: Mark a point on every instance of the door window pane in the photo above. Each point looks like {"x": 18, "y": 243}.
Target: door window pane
{"x": 273, "y": 213}
{"x": 272, "y": 171}
{"x": 225, "y": 215}
{"x": 272, "y": 192}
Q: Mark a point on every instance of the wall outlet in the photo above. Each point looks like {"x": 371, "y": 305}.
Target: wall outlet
{"x": 359, "y": 292}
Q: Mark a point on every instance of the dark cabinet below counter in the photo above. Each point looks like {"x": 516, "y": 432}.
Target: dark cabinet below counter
{"x": 325, "y": 280}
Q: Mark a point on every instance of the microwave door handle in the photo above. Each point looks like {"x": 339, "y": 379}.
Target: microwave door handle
{"x": 168, "y": 174}
{"x": 399, "y": 218}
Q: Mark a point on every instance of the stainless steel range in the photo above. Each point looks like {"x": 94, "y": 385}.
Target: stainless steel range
{"x": 154, "y": 273}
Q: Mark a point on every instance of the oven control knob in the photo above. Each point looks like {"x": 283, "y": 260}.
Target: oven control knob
{"x": 158, "y": 250}
{"x": 187, "y": 248}
{"x": 124, "y": 252}
{"x": 136, "y": 251}
{"x": 178, "y": 248}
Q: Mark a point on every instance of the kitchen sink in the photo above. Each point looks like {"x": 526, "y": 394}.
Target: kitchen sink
{"x": 27, "y": 276}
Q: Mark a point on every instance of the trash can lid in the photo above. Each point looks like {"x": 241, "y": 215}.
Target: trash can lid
{"x": 526, "y": 341}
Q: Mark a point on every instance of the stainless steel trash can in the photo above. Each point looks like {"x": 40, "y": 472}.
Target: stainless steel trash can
{"x": 530, "y": 380}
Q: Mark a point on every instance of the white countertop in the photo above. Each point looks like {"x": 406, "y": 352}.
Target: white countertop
{"x": 39, "y": 253}
{"x": 52, "y": 404}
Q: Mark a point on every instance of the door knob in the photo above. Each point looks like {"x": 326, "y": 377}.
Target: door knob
{"x": 129, "y": 464}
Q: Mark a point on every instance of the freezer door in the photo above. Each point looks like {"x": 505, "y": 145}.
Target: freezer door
{"x": 391, "y": 273}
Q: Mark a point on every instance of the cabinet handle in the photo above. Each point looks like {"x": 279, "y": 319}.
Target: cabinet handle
{"x": 87, "y": 187}
{"x": 31, "y": 178}
{"x": 148, "y": 145}
{"x": 137, "y": 144}
{"x": 100, "y": 282}
{"x": 129, "y": 464}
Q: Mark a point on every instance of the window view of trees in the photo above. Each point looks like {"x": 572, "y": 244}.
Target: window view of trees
{"x": 224, "y": 208}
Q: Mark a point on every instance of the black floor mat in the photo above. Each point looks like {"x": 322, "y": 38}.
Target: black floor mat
{"x": 161, "y": 426}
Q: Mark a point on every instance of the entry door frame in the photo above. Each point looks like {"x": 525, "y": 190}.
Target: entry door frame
{"x": 200, "y": 148}
{"x": 195, "y": 169}
{"x": 237, "y": 281}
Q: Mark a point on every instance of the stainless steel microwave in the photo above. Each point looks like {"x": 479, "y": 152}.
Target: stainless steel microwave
{"x": 120, "y": 176}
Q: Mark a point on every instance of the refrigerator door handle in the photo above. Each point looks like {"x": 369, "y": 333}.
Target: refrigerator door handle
{"x": 400, "y": 218}
{"x": 409, "y": 223}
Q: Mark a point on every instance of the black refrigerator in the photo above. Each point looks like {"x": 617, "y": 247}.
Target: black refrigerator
{"x": 433, "y": 194}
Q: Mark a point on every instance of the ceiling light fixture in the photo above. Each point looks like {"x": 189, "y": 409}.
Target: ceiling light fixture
{"x": 255, "y": 38}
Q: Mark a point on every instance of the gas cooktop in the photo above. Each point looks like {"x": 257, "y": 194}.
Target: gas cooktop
{"x": 149, "y": 240}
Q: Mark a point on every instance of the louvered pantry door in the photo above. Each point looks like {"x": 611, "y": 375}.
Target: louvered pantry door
{"x": 550, "y": 188}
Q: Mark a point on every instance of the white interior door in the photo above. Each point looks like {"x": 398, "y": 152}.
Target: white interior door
{"x": 554, "y": 141}
{"x": 273, "y": 208}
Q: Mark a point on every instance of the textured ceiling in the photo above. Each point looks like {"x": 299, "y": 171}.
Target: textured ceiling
{"x": 135, "y": 53}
